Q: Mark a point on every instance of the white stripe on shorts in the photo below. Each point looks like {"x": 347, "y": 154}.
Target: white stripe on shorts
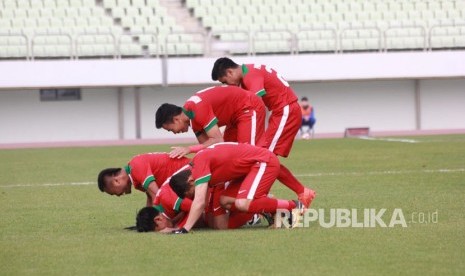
{"x": 253, "y": 131}
{"x": 278, "y": 133}
{"x": 257, "y": 180}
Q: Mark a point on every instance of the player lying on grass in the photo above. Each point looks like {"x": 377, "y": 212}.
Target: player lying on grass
{"x": 241, "y": 112}
{"x": 146, "y": 172}
{"x": 165, "y": 216}
{"x": 173, "y": 208}
{"x": 257, "y": 168}
{"x": 285, "y": 118}
{"x": 176, "y": 208}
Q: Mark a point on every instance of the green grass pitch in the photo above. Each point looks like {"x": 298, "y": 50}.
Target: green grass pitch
{"x": 55, "y": 221}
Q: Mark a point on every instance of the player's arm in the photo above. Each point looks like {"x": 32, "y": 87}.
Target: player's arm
{"x": 197, "y": 207}
{"x": 151, "y": 192}
{"x": 210, "y": 136}
{"x": 206, "y": 138}
{"x": 178, "y": 218}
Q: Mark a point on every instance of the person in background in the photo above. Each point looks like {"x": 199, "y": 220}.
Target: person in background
{"x": 308, "y": 118}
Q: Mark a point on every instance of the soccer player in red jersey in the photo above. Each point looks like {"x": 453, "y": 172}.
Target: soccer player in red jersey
{"x": 146, "y": 172}
{"x": 170, "y": 205}
{"x": 240, "y": 111}
{"x": 254, "y": 170}
{"x": 172, "y": 208}
{"x": 285, "y": 119}
{"x": 150, "y": 219}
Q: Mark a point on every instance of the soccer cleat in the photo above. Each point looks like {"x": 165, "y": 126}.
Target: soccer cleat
{"x": 255, "y": 220}
{"x": 307, "y": 197}
{"x": 296, "y": 214}
{"x": 269, "y": 218}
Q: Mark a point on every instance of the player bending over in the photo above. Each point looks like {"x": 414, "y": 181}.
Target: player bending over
{"x": 241, "y": 112}
{"x": 253, "y": 171}
{"x": 173, "y": 206}
{"x": 146, "y": 172}
{"x": 285, "y": 118}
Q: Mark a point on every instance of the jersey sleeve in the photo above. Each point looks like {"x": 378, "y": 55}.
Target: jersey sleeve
{"x": 141, "y": 174}
{"x": 172, "y": 202}
{"x": 201, "y": 115}
{"x": 186, "y": 205}
{"x": 201, "y": 169}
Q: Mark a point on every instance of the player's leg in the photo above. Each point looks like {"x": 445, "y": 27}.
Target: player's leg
{"x": 246, "y": 126}
{"x": 216, "y": 215}
{"x": 252, "y": 196}
{"x": 304, "y": 194}
{"x": 282, "y": 128}
{"x": 236, "y": 218}
{"x": 283, "y": 125}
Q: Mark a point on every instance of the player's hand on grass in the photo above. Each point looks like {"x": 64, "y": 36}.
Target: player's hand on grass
{"x": 180, "y": 231}
{"x": 167, "y": 230}
{"x": 178, "y": 152}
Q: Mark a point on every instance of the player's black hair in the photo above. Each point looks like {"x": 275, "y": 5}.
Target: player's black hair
{"x": 220, "y": 67}
{"x": 145, "y": 219}
{"x": 304, "y": 99}
{"x": 105, "y": 173}
{"x": 165, "y": 114}
{"x": 178, "y": 183}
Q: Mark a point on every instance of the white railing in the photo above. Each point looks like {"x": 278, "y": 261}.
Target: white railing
{"x": 242, "y": 42}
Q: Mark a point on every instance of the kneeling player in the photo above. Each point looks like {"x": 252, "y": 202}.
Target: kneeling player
{"x": 171, "y": 209}
{"x": 146, "y": 172}
{"x": 257, "y": 168}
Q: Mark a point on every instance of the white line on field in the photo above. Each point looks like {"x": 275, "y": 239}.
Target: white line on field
{"x": 460, "y": 170}
{"x": 381, "y": 172}
{"x": 49, "y": 184}
{"x": 389, "y": 139}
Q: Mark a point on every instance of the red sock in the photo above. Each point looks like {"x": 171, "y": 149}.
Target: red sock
{"x": 289, "y": 180}
{"x": 263, "y": 205}
{"x": 237, "y": 219}
{"x": 286, "y": 204}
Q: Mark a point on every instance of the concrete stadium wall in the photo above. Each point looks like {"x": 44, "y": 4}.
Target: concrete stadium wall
{"x": 384, "y": 105}
{"x": 119, "y": 103}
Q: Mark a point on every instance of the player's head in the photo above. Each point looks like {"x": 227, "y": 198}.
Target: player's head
{"x": 114, "y": 181}
{"x": 227, "y": 71}
{"x": 182, "y": 184}
{"x": 171, "y": 118}
{"x": 150, "y": 219}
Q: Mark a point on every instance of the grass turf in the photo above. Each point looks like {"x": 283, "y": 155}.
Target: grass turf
{"x": 54, "y": 222}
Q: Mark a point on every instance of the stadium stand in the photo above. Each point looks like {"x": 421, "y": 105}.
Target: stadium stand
{"x": 33, "y": 29}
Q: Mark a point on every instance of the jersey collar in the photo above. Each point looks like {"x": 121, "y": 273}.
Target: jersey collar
{"x": 245, "y": 70}
{"x": 127, "y": 169}
{"x": 189, "y": 114}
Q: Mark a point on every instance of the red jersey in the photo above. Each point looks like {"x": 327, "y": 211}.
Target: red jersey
{"x": 268, "y": 84}
{"x": 217, "y": 105}
{"x": 168, "y": 202}
{"x": 226, "y": 161}
{"x": 157, "y": 166}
